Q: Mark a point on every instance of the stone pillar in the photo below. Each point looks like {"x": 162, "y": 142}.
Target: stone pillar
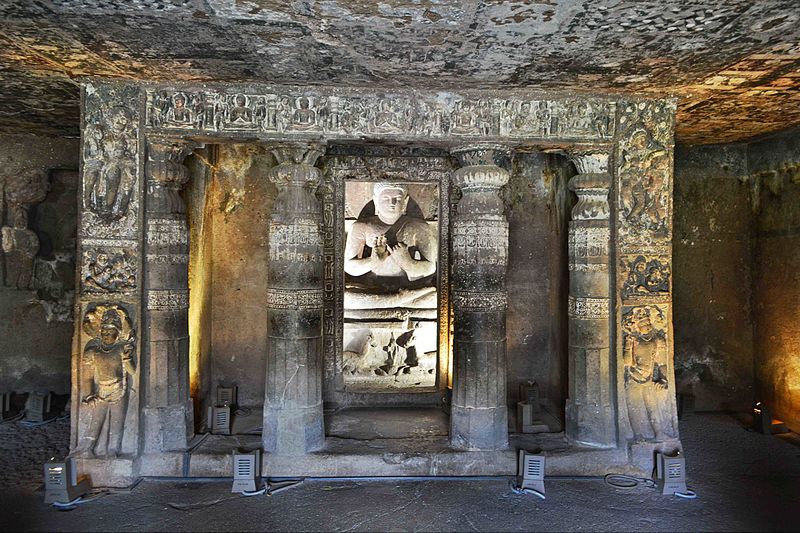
{"x": 478, "y": 417}
{"x": 590, "y": 413}
{"x": 293, "y": 421}
{"x": 168, "y": 412}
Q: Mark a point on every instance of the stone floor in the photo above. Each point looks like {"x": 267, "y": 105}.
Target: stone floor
{"x": 745, "y": 481}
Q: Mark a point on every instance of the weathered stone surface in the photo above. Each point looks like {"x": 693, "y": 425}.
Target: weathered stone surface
{"x": 733, "y": 63}
{"x": 776, "y": 277}
{"x": 478, "y": 414}
{"x": 293, "y": 422}
{"x": 713, "y": 277}
{"x": 645, "y": 365}
{"x": 590, "y": 409}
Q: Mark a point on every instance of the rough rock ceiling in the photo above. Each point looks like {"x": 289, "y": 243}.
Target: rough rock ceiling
{"x": 735, "y": 65}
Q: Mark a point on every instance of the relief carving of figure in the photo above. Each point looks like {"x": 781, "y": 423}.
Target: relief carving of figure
{"x": 304, "y": 117}
{"x": 108, "y": 359}
{"x": 645, "y": 168}
{"x": 384, "y": 119}
{"x": 646, "y": 277}
{"x": 391, "y": 254}
{"x": 645, "y": 353}
{"x": 112, "y": 187}
{"x": 178, "y": 112}
{"x": 108, "y": 272}
{"x": 20, "y": 246}
{"x": 240, "y": 113}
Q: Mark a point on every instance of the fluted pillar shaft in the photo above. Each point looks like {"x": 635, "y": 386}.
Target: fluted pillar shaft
{"x": 168, "y": 408}
{"x": 590, "y": 412}
{"x": 293, "y": 418}
{"x": 479, "y": 417}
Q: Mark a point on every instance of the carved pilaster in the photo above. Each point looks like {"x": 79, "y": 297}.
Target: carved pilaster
{"x": 293, "y": 418}
{"x": 590, "y": 412}
{"x": 105, "y": 411}
{"x": 168, "y": 409}
{"x": 479, "y": 417}
{"x": 644, "y": 287}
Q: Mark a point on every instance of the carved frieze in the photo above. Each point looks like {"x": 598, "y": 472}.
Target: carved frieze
{"x": 167, "y": 299}
{"x": 480, "y": 301}
{"x": 167, "y": 259}
{"x": 644, "y": 159}
{"x": 294, "y": 299}
{"x": 350, "y": 113}
{"x": 645, "y": 276}
{"x": 587, "y": 308}
{"x": 109, "y": 195}
{"x": 109, "y": 269}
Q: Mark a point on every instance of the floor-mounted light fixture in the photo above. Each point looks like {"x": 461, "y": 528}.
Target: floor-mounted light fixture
{"x": 61, "y": 482}
{"x": 37, "y": 406}
{"x": 246, "y": 471}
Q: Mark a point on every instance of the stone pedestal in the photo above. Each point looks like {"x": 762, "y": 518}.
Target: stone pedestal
{"x": 590, "y": 414}
{"x": 479, "y": 416}
{"x": 168, "y": 411}
{"x": 293, "y": 419}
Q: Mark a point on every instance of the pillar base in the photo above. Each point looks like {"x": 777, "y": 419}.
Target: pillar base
{"x": 293, "y": 431}
{"x": 168, "y": 428}
{"x": 590, "y": 425}
{"x": 479, "y": 429}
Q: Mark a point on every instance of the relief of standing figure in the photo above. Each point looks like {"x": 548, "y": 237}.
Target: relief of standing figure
{"x": 108, "y": 360}
{"x": 645, "y": 352}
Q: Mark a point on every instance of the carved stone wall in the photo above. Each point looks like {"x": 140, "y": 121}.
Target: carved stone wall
{"x": 36, "y": 323}
{"x": 645, "y": 345}
{"x": 110, "y": 246}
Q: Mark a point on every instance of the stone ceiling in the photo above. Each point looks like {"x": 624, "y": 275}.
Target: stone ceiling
{"x": 735, "y": 64}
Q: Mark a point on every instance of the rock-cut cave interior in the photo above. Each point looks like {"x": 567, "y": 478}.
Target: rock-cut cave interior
{"x": 399, "y": 265}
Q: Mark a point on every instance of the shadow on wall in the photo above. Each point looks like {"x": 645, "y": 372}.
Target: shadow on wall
{"x": 38, "y": 212}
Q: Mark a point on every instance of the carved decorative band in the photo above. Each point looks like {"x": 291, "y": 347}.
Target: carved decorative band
{"x": 167, "y": 300}
{"x": 588, "y": 267}
{"x": 172, "y": 259}
{"x": 479, "y": 301}
{"x": 294, "y": 298}
{"x": 167, "y": 232}
{"x": 587, "y": 307}
{"x": 295, "y": 234}
{"x": 480, "y": 242}
{"x": 106, "y": 243}
{"x": 588, "y": 241}
{"x": 342, "y": 113}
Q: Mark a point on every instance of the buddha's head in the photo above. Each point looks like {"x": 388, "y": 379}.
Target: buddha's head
{"x": 391, "y": 200}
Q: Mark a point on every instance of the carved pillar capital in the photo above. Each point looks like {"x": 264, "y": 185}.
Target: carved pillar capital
{"x": 591, "y": 184}
{"x": 166, "y": 174}
{"x": 296, "y": 165}
{"x": 481, "y": 166}
{"x": 165, "y": 161}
